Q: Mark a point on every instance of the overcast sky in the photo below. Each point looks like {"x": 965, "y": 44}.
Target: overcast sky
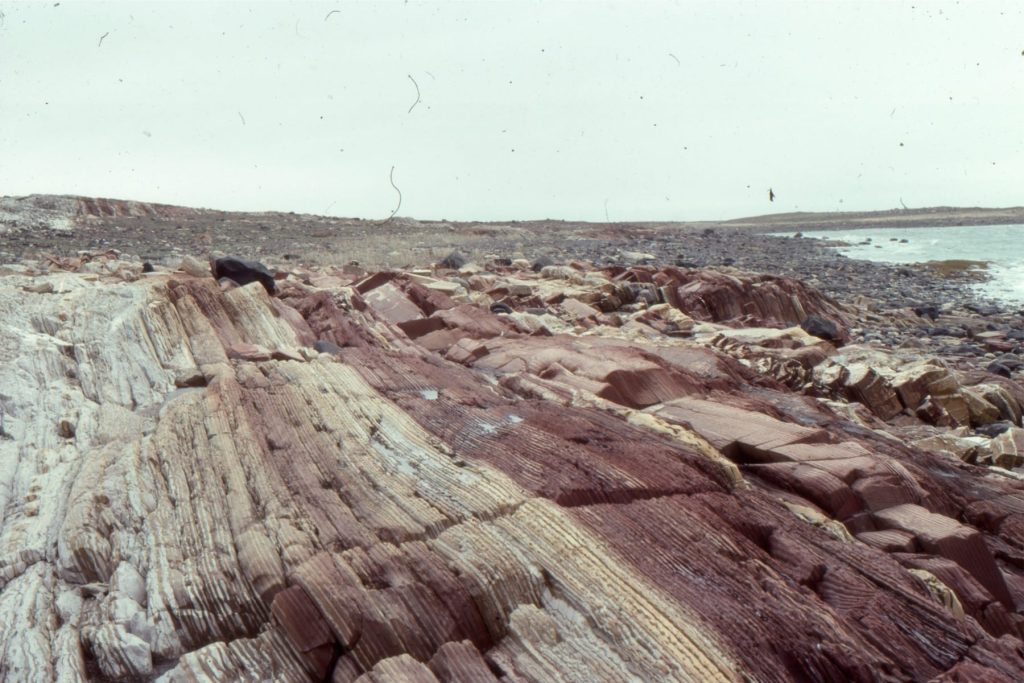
{"x": 516, "y": 110}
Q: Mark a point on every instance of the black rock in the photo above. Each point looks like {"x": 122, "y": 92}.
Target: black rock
{"x": 541, "y": 263}
{"x": 324, "y": 346}
{"x": 244, "y": 272}
{"x": 981, "y": 309}
{"x": 822, "y": 328}
{"x": 1010, "y": 360}
{"x": 963, "y": 350}
{"x": 454, "y": 260}
{"x": 502, "y": 261}
{"x": 999, "y": 369}
{"x": 728, "y": 261}
{"x": 993, "y": 430}
{"x": 680, "y": 263}
{"x": 1015, "y": 335}
{"x": 501, "y": 308}
{"x": 927, "y": 311}
{"x": 147, "y": 267}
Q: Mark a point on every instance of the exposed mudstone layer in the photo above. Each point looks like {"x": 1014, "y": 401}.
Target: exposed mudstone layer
{"x": 616, "y": 477}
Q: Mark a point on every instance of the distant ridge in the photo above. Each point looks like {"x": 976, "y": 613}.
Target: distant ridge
{"x": 63, "y": 212}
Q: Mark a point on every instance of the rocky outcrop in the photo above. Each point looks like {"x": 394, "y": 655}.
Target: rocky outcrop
{"x": 382, "y": 480}
{"x": 756, "y": 300}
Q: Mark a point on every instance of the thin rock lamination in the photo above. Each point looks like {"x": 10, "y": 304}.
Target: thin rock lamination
{"x": 191, "y": 490}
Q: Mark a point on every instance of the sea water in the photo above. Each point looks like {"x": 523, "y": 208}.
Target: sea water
{"x": 1000, "y": 246}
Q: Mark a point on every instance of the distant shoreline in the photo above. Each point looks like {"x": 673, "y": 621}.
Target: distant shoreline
{"x": 904, "y": 218}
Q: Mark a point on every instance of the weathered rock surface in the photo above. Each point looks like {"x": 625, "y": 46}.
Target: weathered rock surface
{"x": 383, "y": 480}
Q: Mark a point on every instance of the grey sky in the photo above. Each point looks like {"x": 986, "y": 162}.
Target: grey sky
{"x": 653, "y": 110}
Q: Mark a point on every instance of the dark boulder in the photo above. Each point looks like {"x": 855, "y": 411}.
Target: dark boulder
{"x": 993, "y": 430}
{"x": 501, "y": 308}
{"x": 147, "y": 267}
{"x": 243, "y": 272}
{"x": 927, "y": 311}
{"x": 541, "y": 263}
{"x": 821, "y": 327}
{"x": 454, "y": 260}
{"x": 999, "y": 369}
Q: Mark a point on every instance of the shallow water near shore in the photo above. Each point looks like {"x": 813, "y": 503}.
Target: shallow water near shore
{"x": 1001, "y": 246}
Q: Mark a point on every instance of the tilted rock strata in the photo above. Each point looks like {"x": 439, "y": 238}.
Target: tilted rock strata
{"x": 190, "y": 491}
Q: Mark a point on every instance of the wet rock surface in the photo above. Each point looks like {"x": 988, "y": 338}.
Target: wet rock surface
{"x": 588, "y": 472}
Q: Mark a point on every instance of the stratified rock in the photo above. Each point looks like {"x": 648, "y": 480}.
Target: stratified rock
{"x": 118, "y": 654}
{"x": 914, "y": 384}
{"x": 945, "y": 391}
{"x": 950, "y": 539}
{"x": 387, "y": 481}
{"x": 196, "y": 268}
{"x": 868, "y": 387}
{"x": 757, "y": 299}
{"x": 980, "y": 411}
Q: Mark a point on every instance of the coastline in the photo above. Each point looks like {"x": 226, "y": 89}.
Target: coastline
{"x": 937, "y": 217}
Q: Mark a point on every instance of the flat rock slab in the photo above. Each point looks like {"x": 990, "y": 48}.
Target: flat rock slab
{"x": 392, "y": 304}
{"x": 948, "y": 538}
{"x": 735, "y": 432}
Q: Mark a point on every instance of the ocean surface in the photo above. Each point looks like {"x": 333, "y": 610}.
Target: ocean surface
{"x": 1001, "y": 246}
